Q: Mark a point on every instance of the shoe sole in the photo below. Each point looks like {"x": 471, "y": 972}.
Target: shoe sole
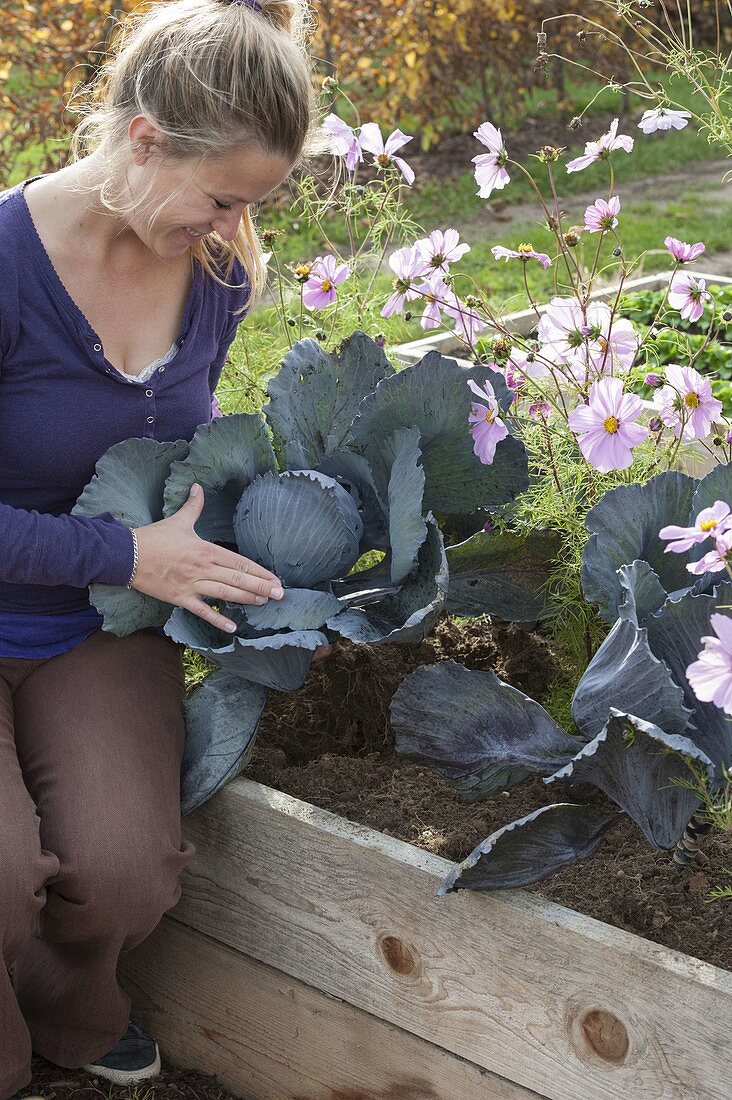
{"x": 126, "y": 1076}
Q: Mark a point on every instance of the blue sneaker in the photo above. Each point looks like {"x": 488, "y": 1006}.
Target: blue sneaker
{"x": 135, "y": 1058}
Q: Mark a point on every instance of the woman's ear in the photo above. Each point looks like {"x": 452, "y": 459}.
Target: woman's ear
{"x": 145, "y": 139}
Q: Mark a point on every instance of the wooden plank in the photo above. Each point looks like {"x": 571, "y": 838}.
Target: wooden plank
{"x": 271, "y": 1037}
{"x": 553, "y": 1000}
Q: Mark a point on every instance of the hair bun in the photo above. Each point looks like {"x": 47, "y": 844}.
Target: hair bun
{"x": 253, "y": 4}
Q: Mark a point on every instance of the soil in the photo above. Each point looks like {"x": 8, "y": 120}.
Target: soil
{"x": 331, "y": 744}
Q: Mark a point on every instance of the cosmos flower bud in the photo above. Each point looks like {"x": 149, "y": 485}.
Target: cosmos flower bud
{"x": 653, "y": 379}
{"x": 655, "y": 424}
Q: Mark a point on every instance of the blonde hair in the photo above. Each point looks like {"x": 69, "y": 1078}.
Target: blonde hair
{"x": 214, "y": 77}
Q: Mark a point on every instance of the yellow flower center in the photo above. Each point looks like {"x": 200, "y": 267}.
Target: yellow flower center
{"x": 708, "y": 525}
{"x": 691, "y": 400}
{"x": 525, "y": 247}
{"x": 326, "y": 284}
{"x": 490, "y": 415}
{"x": 611, "y": 424}
{"x": 302, "y": 269}
{"x": 383, "y": 160}
{"x": 602, "y": 342}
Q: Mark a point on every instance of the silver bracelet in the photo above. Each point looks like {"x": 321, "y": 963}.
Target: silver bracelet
{"x": 134, "y": 567}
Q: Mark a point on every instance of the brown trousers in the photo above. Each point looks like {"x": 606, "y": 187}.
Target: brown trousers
{"x": 95, "y": 736}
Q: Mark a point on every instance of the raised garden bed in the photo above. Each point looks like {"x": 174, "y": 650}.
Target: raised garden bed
{"x": 309, "y": 956}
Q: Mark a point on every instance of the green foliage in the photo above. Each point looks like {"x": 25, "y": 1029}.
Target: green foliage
{"x": 721, "y": 893}
{"x": 642, "y": 307}
{"x": 705, "y": 344}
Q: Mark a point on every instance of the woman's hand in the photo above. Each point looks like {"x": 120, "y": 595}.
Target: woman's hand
{"x": 177, "y": 566}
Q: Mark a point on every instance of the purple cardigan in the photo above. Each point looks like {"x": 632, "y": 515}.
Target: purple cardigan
{"x": 62, "y": 404}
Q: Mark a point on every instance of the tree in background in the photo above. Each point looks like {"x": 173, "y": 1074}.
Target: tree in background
{"x": 432, "y": 66}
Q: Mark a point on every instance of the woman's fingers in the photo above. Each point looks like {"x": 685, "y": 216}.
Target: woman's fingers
{"x": 204, "y": 611}
{"x": 241, "y": 571}
{"x": 239, "y": 584}
{"x": 219, "y": 590}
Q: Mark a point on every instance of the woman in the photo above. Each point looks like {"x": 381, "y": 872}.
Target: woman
{"x": 124, "y": 277}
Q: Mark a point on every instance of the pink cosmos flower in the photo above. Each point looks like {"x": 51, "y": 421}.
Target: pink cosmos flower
{"x": 709, "y": 522}
{"x": 487, "y": 427}
{"x": 688, "y": 294}
{"x": 526, "y": 364}
{"x": 663, "y": 118}
{"x": 606, "y": 428}
{"x": 325, "y": 275}
{"x": 436, "y": 294}
{"x": 682, "y": 252}
{"x": 441, "y": 249}
{"x": 588, "y": 342}
{"x": 373, "y": 142}
{"x": 467, "y": 322}
{"x": 600, "y": 150}
{"x": 523, "y": 252}
{"x": 490, "y": 172}
{"x": 687, "y": 398}
{"x": 716, "y": 560}
{"x": 710, "y": 676}
{"x": 343, "y": 140}
{"x": 602, "y": 216}
{"x": 540, "y": 410}
{"x": 515, "y": 379}
{"x": 408, "y": 268}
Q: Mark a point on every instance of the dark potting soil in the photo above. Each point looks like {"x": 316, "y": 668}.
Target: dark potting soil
{"x": 331, "y": 744}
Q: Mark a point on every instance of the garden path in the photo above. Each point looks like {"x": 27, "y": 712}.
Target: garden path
{"x": 704, "y": 180}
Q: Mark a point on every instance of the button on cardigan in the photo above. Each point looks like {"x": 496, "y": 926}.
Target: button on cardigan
{"x": 62, "y": 405}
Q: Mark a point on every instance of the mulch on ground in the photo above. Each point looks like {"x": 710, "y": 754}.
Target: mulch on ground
{"x": 53, "y": 1083}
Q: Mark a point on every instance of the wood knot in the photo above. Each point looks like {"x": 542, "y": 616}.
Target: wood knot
{"x": 605, "y": 1035}
{"x": 397, "y": 955}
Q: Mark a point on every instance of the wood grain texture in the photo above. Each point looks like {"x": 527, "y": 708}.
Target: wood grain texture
{"x": 270, "y": 1037}
{"x": 553, "y": 1000}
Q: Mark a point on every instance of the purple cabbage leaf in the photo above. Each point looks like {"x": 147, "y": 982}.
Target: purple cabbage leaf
{"x": 343, "y": 462}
